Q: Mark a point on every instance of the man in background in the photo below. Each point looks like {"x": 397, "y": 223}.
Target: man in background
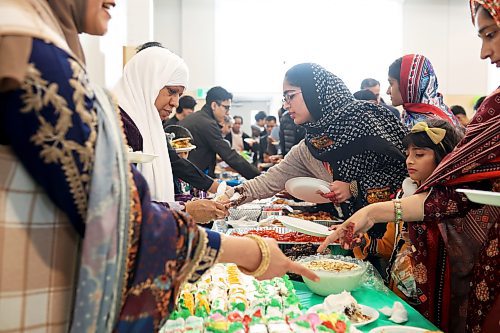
{"x": 368, "y": 95}
{"x": 237, "y": 137}
{"x": 271, "y": 128}
{"x": 185, "y": 108}
{"x": 461, "y": 115}
{"x": 204, "y": 125}
{"x": 290, "y": 133}
{"x": 260, "y": 122}
{"x": 478, "y": 103}
{"x": 374, "y": 86}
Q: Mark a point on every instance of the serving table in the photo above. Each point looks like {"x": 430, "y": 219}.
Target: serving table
{"x": 372, "y": 297}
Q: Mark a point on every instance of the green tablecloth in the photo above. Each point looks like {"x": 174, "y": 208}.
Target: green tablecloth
{"x": 373, "y": 298}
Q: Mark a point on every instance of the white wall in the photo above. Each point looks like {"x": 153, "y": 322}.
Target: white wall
{"x": 440, "y": 29}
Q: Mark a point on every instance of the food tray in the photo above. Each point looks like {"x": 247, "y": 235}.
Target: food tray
{"x": 281, "y": 230}
{"x": 250, "y": 214}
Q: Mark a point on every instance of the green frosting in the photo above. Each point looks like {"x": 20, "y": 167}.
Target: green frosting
{"x": 184, "y": 313}
{"x": 201, "y": 312}
{"x": 235, "y": 327}
{"x": 292, "y": 299}
{"x": 303, "y": 323}
{"x": 174, "y": 315}
{"x": 275, "y": 303}
{"x": 238, "y": 306}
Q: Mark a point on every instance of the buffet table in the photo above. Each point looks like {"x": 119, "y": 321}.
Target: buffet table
{"x": 371, "y": 297}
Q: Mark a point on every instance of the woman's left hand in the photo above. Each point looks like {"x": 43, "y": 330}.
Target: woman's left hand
{"x": 339, "y": 192}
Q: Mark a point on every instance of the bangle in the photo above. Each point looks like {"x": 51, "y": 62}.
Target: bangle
{"x": 398, "y": 211}
{"x": 353, "y": 188}
{"x": 266, "y": 257}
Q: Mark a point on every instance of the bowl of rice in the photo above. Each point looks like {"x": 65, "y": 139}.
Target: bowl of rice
{"x": 337, "y": 273}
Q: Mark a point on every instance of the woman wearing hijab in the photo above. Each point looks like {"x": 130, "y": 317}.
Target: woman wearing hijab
{"x": 80, "y": 235}
{"x": 355, "y": 144}
{"x": 413, "y": 84}
{"x": 152, "y": 82}
{"x": 474, "y": 164}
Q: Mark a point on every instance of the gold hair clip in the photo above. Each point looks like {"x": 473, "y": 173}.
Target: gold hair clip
{"x": 436, "y": 134}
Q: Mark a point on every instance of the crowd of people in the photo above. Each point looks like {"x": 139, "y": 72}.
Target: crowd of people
{"x": 107, "y": 244}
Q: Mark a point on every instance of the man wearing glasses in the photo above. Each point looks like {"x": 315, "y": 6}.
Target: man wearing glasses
{"x": 206, "y": 131}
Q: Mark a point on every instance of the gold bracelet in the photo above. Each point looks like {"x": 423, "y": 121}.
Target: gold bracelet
{"x": 353, "y": 188}
{"x": 266, "y": 257}
{"x": 398, "y": 211}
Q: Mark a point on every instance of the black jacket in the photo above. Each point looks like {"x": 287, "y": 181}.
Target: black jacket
{"x": 290, "y": 133}
{"x": 209, "y": 142}
{"x": 246, "y": 146}
{"x": 181, "y": 168}
{"x": 172, "y": 121}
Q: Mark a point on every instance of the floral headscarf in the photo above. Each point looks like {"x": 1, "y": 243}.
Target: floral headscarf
{"x": 419, "y": 89}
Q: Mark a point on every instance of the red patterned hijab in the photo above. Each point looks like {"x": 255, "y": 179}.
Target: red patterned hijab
{"x": 477, "y": 156}
{"x": 419, "y": 89}
{"x": 492, "y": 6}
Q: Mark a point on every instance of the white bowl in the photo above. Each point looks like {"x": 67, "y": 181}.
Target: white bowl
{"x": 335, "y": 282}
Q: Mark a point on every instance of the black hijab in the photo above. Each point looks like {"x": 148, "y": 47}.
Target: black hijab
{"x": 360, "y": 140}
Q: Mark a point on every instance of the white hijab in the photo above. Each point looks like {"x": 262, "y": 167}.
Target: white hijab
{"x": 143, "y": 77}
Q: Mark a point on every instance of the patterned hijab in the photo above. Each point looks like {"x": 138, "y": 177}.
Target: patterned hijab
{"x": 492, "y": 6}
{"x": 340, "y": 120}
{"x": 358, "y": 139}
{"x": 419, "y": 89}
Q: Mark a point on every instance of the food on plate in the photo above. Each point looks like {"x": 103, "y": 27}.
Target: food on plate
{"x": 312, "y": 216}
{"x": 181, "y": 143}
{"x": 281, "y": 201}
{"x": 343, "y": 303}
{"x": 292, "y": 203}
{"x": 287, "y": 237}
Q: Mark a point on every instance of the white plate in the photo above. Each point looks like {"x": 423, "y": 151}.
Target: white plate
{"x": 138, "y": 157}
{"x": 181, "y": 150}
{"x": 249, "y": 140}
{"x": 366, "y": 310}
{"x": 305, "y": 188}
{"x": 398, "y": 329}
{"x": 304, "y": 226}
{"x": 482, "y": 197}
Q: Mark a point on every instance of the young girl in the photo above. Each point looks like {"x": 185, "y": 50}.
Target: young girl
{"x": 426, "y": 145}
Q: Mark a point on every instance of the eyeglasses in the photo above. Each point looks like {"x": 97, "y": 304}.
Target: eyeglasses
{"x": 227, "y": 107}
{"x": 173, "y": 91}
{"x": 287, "y": 97}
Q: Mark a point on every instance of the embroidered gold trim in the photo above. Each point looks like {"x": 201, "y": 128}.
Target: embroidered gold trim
{"x": 55, "y": 148}
{"x": 200, "y": 251}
